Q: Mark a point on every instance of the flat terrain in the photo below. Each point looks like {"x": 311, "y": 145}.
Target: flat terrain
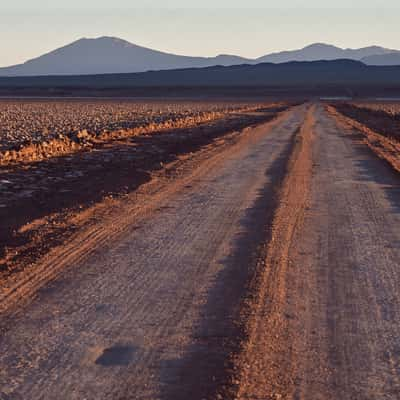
{"x": 253, "y": 264}
{"x": 45, "y": 188}
{"x": 331, "y": 302}
{"x": 128, "y": 321}
{"x": 383, "y": 117}
{"x": 34, "y": 121}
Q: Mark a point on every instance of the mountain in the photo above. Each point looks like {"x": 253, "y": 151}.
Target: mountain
{"x": 106, "y": 55}
{"x": 321, "y": 51}
{"x": 384, "y": 59}
{"x": 110, "y": 55}
{"x": 340, "y": 73}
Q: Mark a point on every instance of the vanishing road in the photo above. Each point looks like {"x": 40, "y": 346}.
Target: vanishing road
{"x": 154, "y": 314}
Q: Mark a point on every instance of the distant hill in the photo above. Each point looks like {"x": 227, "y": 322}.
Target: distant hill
{"x": 321, "y": 51}
{"x": 384, "y": 59}
{"x": 299, "y": 74}
{"x": 110, "y": 55}
{"x": 106, "y": 55}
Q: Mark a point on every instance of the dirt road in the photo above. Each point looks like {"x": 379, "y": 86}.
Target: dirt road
{"x": 139, "y": 318}
{"x": 327, "y": 323}
{"x": 295, "y": 228}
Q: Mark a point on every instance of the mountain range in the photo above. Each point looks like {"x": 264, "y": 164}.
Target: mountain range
{"x": 343, "y": 73}
{"x": 109, "y": 55}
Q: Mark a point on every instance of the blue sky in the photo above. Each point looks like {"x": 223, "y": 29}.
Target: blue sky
{"x": 208, "y": 27}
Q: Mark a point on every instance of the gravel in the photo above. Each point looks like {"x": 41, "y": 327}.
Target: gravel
{"x": 23, "y": 122}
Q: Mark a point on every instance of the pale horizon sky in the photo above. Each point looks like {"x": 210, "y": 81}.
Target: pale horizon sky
{"x": 250, "y": 29}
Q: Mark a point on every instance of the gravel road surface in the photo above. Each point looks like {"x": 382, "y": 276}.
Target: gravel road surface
{"x": 328, "y": 326}
{"x": 148, "y": 316}
{"x": 154, "y": 314}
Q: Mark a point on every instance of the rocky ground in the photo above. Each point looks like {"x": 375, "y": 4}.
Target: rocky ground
{"x": 38, "y": 198}
{"x": 378, "y": 124}
{"x": 224, "y": 261}
{"x": 389, "y": 107}
{"x": 38, "y": 129}
{"x": 383, "y": 118}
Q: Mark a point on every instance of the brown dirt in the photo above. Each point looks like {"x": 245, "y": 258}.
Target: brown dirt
{"x": 143, "y": 303}
{"x": 378, "y": 120}
{"x": 38, "y": 130}
{"x": 68, "y": 194}
{"x": 381, "y": 136}
{"x": 168, "y": 277}
{"x": 324, "y": 324}
{"x": 262, "y": 369}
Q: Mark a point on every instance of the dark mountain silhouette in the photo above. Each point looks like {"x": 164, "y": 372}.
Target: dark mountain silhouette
{"x": 300, "y": 74}
{"x": 112, "y": 55}
{"x": 383, "y": 59}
